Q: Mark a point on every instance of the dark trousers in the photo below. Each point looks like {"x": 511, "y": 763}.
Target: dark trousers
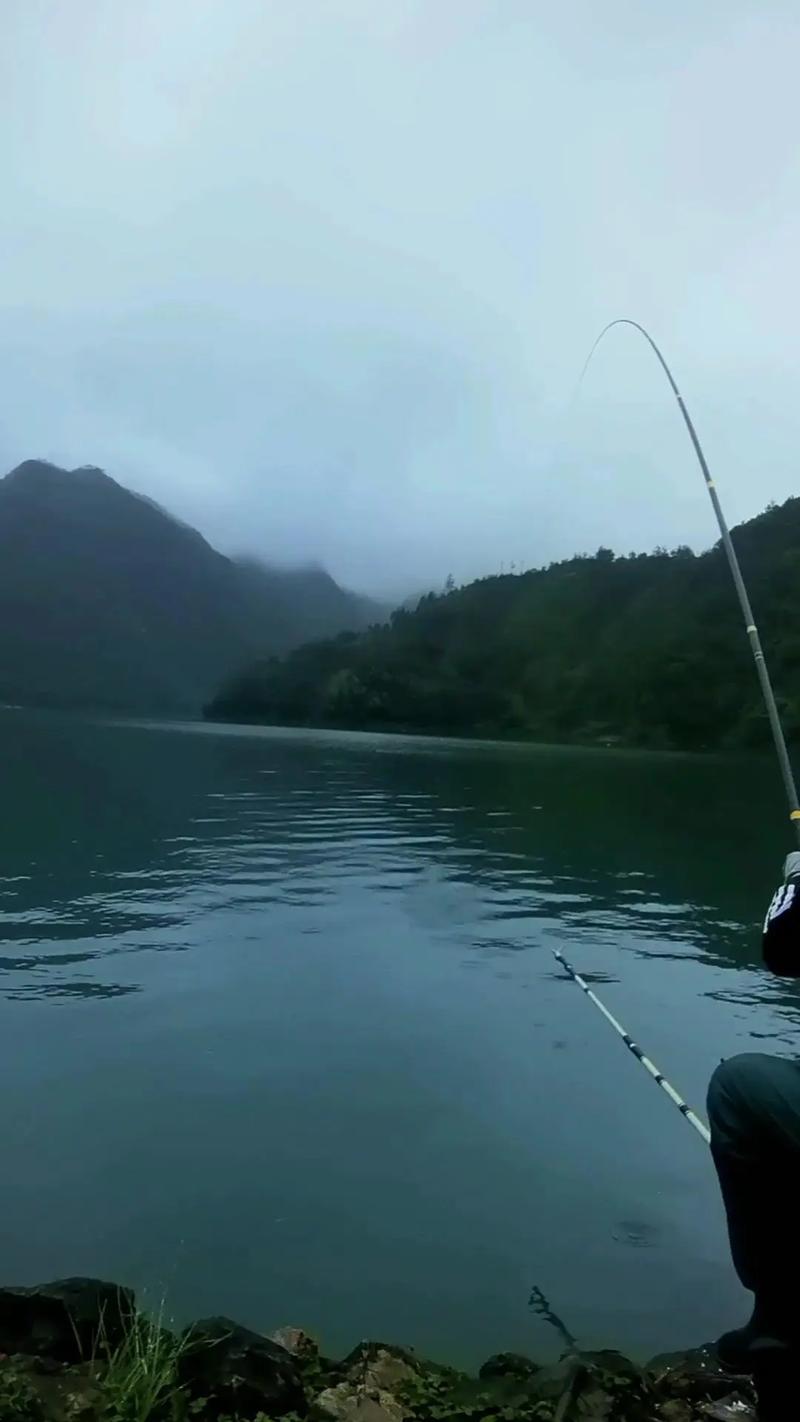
{"x": 754, "y": 1113}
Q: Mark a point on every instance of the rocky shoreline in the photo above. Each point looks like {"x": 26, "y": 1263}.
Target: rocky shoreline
{"x": 78, "y": 1351}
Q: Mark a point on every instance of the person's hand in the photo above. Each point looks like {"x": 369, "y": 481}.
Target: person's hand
{"x": 791, "y": 868}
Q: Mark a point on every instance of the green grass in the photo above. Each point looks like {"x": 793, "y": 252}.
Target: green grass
{"x": 138, "y": 1378}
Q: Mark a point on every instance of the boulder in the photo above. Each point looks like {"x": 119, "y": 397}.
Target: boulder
{"x": 549, "y": 1384}
{"x": 613, "y": 1366}
{"x": 731, "y": 1409}
{"x": 349, "y": 1403}
{"x": 71, "y": 1319}
{"x": 508, "y": 1365}
{"x": 675, "y": 1410}
{"x": 380, "y": 1365}
{"x": 239, "y": 1373}
{"x": 459, "y": 1395}
{"x": 602, "y": 1384}
{"x": 371, "y": 1386}
{"x": 297, "y": 1342}
{"x": 595, "y": 1404}
{"x": 695, "y": 1376}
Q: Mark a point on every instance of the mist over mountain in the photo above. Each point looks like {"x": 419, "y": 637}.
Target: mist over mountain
{"x": 106, "y": 600}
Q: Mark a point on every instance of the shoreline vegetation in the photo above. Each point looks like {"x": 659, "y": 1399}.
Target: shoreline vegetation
{"x": 644, "y": 650}
{"x": 78, "y": 1349}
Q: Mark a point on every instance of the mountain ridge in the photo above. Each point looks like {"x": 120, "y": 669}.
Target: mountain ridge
{"x": 107, "y": 600}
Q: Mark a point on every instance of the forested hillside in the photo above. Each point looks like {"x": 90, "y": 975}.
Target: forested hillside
{"x": 641, "y": 649}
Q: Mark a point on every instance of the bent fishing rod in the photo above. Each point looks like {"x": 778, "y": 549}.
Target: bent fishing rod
{"x": 767, "y": 692}
{"x": 753, "y": 638}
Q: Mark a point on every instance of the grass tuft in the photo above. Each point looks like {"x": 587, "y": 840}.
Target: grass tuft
{"x": 138, "y": 1378}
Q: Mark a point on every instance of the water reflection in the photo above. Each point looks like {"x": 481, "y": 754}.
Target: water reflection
{"x": 33, "y": 991}
{"x": 488, "y": 841}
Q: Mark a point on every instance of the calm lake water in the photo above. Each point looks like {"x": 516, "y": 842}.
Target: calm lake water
{"x": 282, "y": 1036}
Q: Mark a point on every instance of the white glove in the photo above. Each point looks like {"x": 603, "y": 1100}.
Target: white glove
{"x": 791, "y": 869}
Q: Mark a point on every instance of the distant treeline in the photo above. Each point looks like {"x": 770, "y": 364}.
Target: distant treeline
{"x": 646, "y": 649}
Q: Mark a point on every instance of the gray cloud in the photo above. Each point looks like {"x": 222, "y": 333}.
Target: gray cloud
{"x": 320, "y": 277}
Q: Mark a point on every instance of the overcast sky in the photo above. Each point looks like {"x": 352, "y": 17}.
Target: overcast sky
{"x": 320, "y": 275}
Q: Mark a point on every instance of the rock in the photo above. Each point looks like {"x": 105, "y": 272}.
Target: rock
{"x": 348, "y": 1403}
{"x": 239, "y": 1373}
{"x": 695, "y": 1376}
{"x": 596, "y": 1405}
{"x": 371, "y": 1384}
{"x": 730, "y": 1409}
{"x": 614, "y": 1367}
{"x": 297, "y": 1342}
{"x": 380, "y": 1367}
{"x": 508, "y": 1365}
{"x": 86, "y": 1402}
{"x": 549, "y": 1384}
{"x": 46, "y": 1367}
{"x": 71, "y": 1319}
{"x": 600, "y": 1383}
{"x": 675, "y": 1411}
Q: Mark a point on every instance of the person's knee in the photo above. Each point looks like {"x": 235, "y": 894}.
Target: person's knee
{"x": 735, "y": 1086}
